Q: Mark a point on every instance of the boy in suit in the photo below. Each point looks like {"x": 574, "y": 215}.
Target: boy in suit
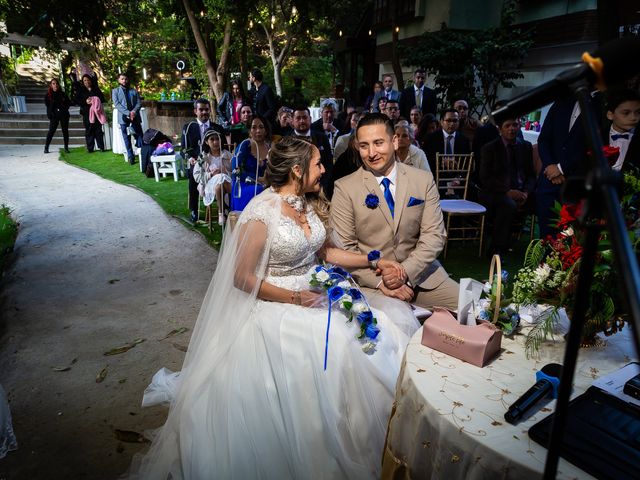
{"x": 393, "y": 208}
{"x": 623, "y": 110}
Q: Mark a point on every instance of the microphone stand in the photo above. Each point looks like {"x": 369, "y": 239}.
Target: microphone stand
{"x": 601, "y": 194}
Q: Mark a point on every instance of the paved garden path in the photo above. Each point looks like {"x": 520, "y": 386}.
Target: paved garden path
{"x": 96, "y": 266}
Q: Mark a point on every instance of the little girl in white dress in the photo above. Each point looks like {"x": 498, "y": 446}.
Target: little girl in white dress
{"x": 212, "y": 172}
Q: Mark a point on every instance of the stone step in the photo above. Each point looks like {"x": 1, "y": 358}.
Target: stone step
{"x": 23, "y": 125}
{"x": 5, "y": 132}
{"x": 57, "y": 140}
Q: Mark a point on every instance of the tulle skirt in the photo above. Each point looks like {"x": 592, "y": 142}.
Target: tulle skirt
{"x": 270, "y": 410}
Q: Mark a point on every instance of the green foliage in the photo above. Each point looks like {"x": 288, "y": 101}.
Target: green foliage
{"x": 8, "y": 234}
{"x": 472, "y": 64}
{"x": 540, "y": 332}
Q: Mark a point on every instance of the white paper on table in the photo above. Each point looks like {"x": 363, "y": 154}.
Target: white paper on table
{"x": 534, "y": 314}
{"x": 470, "y": 291}
{"x": 613, "y": 383}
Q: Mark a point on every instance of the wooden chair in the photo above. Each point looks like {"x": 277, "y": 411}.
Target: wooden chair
{"x": 452, "y": 180}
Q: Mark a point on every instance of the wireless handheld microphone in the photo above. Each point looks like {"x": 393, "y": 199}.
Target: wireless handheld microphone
{"x": 547, "y": 381}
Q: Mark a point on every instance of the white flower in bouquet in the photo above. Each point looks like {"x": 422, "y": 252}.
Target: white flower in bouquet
{"x": 542, "y": 273}
{"x": 346, "y": 301}
{"x": 359, "y": 307}
{"x": 487, "y": 288}
{"x": 344, "y": 284}
{"x": 568, "y": 232}
{"x": 322, "y": 276}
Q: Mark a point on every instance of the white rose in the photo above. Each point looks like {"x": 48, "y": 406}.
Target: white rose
{"x": 487, "y": 288}
{"x": 542, "y": 273}
{"x": 568, "y": 232}
{"x": 359, "y": 307}
{"x": 346, "y": 299}
{"x": 322, "y": 276}
{"x": 344, "y": 284}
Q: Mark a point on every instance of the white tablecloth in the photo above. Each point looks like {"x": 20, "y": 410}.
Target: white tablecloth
{"x": 117, "y": 143}
{"x": 530, "y": 136}
{"x": 448, "y": 420}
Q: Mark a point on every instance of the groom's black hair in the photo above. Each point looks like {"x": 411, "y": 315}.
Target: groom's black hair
{"x": 376, "y": 119}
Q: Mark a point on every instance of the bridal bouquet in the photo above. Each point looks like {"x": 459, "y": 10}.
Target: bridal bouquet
{"x": 343, "y": 291}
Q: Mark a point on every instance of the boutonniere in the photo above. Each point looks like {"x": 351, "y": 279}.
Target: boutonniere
{"x": 372, "y": 201}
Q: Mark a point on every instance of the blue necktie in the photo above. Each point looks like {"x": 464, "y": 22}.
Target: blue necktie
{"x": 387, "y": 194}
{"x": 620, "y": 135}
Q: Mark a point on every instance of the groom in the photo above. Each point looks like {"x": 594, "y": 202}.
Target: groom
{"x": 393, "y": 208}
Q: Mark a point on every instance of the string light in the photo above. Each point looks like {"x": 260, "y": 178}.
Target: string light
{"x": 397, "y": 29}
{"x": 340, "y": 33}
{"x": 250, "y": 23}
{"x": 370, "y": 33}
{"x": 202, "y": 13}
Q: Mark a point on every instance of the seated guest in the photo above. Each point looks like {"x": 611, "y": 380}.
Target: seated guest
{"x": 392, "y": 110}
{"x": 228, "y": 111}
{"x": 623, "y": 111}
{"x": 328, "y": 124}
{"x": 240, "y": 131}
{"x": 447, "y": 140}
{"x": 212, "y": 172}
{"x": 343, "y": 140}
{"x": 342, "y": 120}
{"x": 382, "y": 103}
{"x": 348, "y": 161}
{"x": 369, "y": 104}
{"x": 283, "y": 125}
{"x": 406, "y": 151}
{"x": 467, "y": 125}
{"x": 415, "y": 115}
{"x": 508, "y": 179}
{"x": 302, "y": 129}
{"x": 428, "y": 124}
{"x": 249, "y": 163}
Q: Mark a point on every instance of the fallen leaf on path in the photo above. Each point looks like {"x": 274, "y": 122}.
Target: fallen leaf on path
{"x": 182, "y": 348}
{"x": 124, "y": 348}
{"x": 60, "y": 369}
{"x": 129, "y": 436}
{"x": 101, "y": 375}
{"x": 172, "y": 333}
{"x": 122, "y": 380}
{"x": 114, "y": 280}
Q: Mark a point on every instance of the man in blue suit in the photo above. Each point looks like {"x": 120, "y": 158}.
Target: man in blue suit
{"x": 389, "y": 93}
{"x": 127, "y": 101}
{"x": 562, "y": 146}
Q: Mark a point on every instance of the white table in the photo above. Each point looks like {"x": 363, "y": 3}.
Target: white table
{"x": 448, "y": 419}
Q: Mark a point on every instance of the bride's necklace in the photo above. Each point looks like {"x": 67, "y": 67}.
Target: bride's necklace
{"x": 298, "y": 203}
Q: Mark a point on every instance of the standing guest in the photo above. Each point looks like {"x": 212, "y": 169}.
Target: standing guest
{"x": 447, "y": 140}
{"x": 467, "y": 125}
{"x": 388, "y": 92}
{"x": 58, "y": 105}
{"x": 229, "y": 107}
{"x": 369, "y": 104}
{"x": 285, "y": 119}
{"x": 92, "y": 130}
{"x": 406, "y": 151}
{"x": 240, "y": 131}
{"x": 508, "y": 181}
{"x": 418, "y": 95}
{"x": 249, "y": 163}
{"x": 127, "y": 101}
{"x": 395, "y": 209}
{"x": 428, "y": 124}
{"x": 392, "y": 110}
{"x": 415, "y": 115}
{"x": 264, "y": 102}
{"x": 623, "y": 111}
{"x": 562, "y": 146}
{"x": 302, "y": 129}
{"x": 192, "y": 136}
{"x": 213, "y": 172}
{"x": 327, "y": 123}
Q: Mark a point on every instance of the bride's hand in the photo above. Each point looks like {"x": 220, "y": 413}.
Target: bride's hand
{"x": 309, "y": 298}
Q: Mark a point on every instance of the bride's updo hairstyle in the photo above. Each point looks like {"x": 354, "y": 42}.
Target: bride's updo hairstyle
{"x": 283, "y": 156}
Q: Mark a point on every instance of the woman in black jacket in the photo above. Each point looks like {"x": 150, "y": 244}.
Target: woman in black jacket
{"x": 92, "y": 131}
{"x": 58, "y": 105}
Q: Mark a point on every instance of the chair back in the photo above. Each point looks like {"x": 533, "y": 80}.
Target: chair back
{"x": 452, "y": 174}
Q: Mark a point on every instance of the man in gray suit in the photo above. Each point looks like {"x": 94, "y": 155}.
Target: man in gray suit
{"x": 127, "y": 101}
{"x": 388, "y": 92}
{"x": 395, "y": 209}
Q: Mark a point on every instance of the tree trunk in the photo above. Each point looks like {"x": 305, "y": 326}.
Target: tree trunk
{"x": 278, "y": 60}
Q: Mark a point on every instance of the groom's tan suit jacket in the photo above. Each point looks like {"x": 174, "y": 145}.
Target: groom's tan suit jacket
{"x": 415, "y": 236}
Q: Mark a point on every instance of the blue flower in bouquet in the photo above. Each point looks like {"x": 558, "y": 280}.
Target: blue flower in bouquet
{"x": 365, "y": 318}
{"x": 355, "y": 294}
{"x": 335, "y": 293}
{"x": 484, "y": 315}
{"x": 371, "y": 331}
{"x": 339, "y": 271}
{"x": 319, "y": 268}
{"x": 372, "y": 201}
{"x": 505, "y": 276}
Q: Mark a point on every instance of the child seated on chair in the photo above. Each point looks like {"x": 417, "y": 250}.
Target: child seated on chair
{"x": 212, "y": 172}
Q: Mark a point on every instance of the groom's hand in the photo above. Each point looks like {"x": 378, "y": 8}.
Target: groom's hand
{"x": 404, "y": 293}
{"x": 393, "y": 274}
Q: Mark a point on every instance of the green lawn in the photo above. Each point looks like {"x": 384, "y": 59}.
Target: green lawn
{"x": 462, "y": 260}
{"x": 8, "y": 234}
{"x": 170, "y": 195}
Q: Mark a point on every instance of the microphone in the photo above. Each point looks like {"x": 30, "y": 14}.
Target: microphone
{"x": 609, "y": 64}
{"x": 547, "y": 381}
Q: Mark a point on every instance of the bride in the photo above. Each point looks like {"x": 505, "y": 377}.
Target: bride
{"x": 253, "y": 399}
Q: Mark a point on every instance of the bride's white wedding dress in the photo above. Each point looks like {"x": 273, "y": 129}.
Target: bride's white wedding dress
{"x": 253, "y": 400}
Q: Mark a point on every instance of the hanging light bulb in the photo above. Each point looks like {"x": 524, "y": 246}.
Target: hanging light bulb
{"x": 273, "y": 19}
{"x": 250, "y": 23}
{"x": 202, "y": 13}
{"x": 51, "y": 23}
{"x": 370, "y": 33}
{"x": 340, "y": 33}
{"x": 233, "y": 20}
{"x": 397, "y": 29}
{"x": 155, "y": 20}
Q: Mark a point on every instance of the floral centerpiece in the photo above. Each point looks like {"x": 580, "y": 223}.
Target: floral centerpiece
{"x": 344, "y": 292}
{"x": 551, "y": 266}
{"x": 508, "y": 318}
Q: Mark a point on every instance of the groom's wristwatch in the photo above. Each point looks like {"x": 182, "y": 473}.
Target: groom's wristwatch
{"x": 374, "y": 257}
{"x": 374, "y": 264}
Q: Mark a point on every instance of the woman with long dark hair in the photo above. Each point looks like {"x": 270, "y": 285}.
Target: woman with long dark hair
{"x": 230, "y": 105}
{"x": 85, "y": 100}
{"x": 58, "y": 104}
